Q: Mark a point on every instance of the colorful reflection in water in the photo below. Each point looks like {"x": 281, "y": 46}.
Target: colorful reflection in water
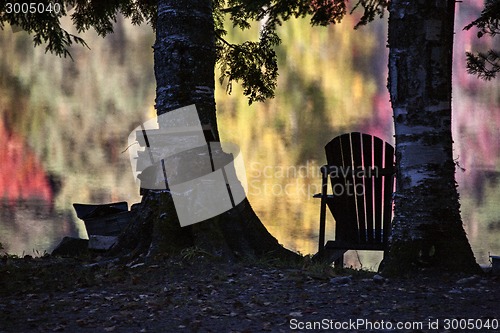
{"x": 64, "y": 127}
{"x": 22, "y": 176}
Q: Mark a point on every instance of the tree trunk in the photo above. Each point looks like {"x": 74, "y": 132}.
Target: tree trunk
{"x": 427, "y": 227}
{"x": 184, "y": 57}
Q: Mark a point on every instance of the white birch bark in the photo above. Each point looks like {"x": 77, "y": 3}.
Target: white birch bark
{"x": 427, "y": 227}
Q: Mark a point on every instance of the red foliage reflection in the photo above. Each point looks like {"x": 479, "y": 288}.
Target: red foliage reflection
{"x": 22, "y": 176}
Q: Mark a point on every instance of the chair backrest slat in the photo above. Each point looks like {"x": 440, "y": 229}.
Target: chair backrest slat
{"x": 338, "y": 154}
{"x": 358, "y": 185}
{"x": 378, "y": 152}
{"x": 388, "y": 190}
{"x": 369, "y": 186}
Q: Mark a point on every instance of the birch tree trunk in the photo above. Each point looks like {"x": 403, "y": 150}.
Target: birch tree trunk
{"x": 184, "y": 62}
{"x": 427, "y": 227}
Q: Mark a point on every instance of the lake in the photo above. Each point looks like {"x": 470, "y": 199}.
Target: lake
{"x": 64, "y": 126}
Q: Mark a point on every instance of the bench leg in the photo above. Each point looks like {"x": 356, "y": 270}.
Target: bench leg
{"x": 339, "y": 263}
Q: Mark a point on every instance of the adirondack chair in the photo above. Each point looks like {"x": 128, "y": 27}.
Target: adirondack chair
{"x": 361, "y": 170}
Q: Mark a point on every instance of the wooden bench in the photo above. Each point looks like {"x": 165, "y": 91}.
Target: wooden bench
{"x": 361, "y": 171}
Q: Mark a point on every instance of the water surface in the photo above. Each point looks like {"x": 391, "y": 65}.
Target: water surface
{"x": 64, "y": 128}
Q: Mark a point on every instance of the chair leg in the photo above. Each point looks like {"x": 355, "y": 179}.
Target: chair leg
{"x": 339, "y": 263}
{"x": 382, "y": 263}
{"x": 322, "y": 215}
{"x": 322, "y": 226}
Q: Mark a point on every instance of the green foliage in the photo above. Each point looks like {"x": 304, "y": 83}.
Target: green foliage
{"x": 485, "y": 65}
{"x": 45, "y": 27}
{"x": 101, "y": 15}
{"x": 194, "y": 252}
{"x": 488, "y": 22}
{"x": 372, "y": 9}
{"x": 252, "y": 63}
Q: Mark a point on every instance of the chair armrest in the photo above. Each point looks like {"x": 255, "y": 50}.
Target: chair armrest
{"x": 318, "y": 195}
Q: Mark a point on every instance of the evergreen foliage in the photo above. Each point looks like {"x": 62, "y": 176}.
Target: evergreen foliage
{"x": 485, "y": 64}
{"x": 254, "y": 64}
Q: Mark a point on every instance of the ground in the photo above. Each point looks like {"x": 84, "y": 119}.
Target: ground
{"x": 193, "y": 292}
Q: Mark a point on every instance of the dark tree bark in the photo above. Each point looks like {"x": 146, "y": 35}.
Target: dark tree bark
{"x": 184, "y": 56}
{"x": 427, "y": 228}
